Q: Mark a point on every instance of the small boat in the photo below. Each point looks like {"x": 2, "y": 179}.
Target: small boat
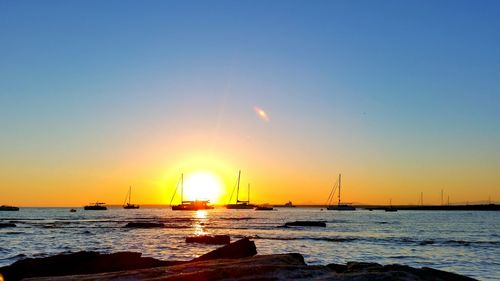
{"x": 240, "y": 204}
{"x": 339, "y": 206}
{"x": 289, "y": 204}
{"x": 8, "y": 208}
{"x": 264, "y": 208}
{"x": 128, "y": 205}
{"x": 97, "y": 206}
{"x": 189, "y": 205}
{"x": 72, "y": 210}
{"x": 390, "y": 208}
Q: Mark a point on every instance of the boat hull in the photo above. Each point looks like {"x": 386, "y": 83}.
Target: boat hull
{"x": 240, "y": 206}
{"x": 95, "y": 208}
{"x": 192, "y": 206}
{"x": 131, "y": 206}
{"x": 264, "y": 208}
{"x": 9, "y": 208}
{"x": 341, "y": 208}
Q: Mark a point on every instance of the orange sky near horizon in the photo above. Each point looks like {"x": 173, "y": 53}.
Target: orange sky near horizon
{"x": 276, "y": 175}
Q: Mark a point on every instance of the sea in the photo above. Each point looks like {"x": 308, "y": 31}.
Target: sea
{"x": 464, "y": 242}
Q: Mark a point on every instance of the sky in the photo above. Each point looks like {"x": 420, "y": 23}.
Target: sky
{"x": 400, "y": 97}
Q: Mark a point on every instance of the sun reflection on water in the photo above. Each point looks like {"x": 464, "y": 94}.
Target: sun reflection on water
{"x": 199, "y": 222}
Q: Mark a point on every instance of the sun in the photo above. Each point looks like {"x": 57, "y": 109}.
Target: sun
{"x": 202, "y": 185}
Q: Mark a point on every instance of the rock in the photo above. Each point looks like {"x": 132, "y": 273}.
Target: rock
{"x": 306, "y": 223}
{"x": 144, "y": 225}
{"x": 272, "y": 267}
{"x": 78, "y": 263}
{"x": 7, "y": 224}
{"x": 339, "y": 268}
{"x": 235, "y": 261}
{"x": 240, "y": 249}
{"x": 208, "y": 239}
{"x": 366, "y": 271}
{"x": 362, "y": 266}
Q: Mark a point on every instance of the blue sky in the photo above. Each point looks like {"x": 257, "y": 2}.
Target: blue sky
{"x": 406, "y": 83}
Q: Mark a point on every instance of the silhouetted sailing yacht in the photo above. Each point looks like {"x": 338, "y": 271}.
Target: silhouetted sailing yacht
{"x": 97, "y": 206}
{"x": 189, "y": 205}
{"x": 240, "y": 204}
{"x": 339, "y": 206}
{"x": 391, "y": 208}
{"x": 8, "y": 208}
{"x": 128, "y": 205}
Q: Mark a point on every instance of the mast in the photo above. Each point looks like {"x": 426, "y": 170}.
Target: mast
{"x": 182, "y": 188}
{"x": 340, "y": 184}
{"x": 238, "y": 187}
{"x": 129, "y": 193}
{"x": 248, "y": 198}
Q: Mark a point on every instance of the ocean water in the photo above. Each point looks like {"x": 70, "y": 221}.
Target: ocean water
{"x": 465, "y": 242}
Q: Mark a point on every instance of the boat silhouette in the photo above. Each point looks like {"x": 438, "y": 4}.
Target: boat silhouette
{"x": 339, "y": 206}
{"x": 8, "y": 208}
{"x": 390, "y": 208}
{"x": 97, "y": 206}
{"x": 127, "y": 204}
{"x": 264, "y": 207}
{"x": 189, "y": 205}
{"x": 240, "y": 204}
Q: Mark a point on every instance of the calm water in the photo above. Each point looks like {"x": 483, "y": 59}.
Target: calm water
{"x": 464, "y": 242}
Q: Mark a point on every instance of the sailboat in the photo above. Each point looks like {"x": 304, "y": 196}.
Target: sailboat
{"x": 97, "y": 206}
{"x": 189, "y": 205}
{"x": 128, "y": 205}
{"x": 391, "y": 208}
{"x": 8, "y": 208}
{"x": 339, "y": 206}
{"x": 240, "y": 204}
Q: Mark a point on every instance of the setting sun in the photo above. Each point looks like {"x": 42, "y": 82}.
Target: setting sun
{"x": 202, "y": 186}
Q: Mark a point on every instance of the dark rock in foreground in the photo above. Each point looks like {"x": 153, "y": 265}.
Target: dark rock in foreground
{"x": 78, "y": 263}
{"x": 235, "y": 261}
{"x": 306, "y": 223}
{"x": 374, "y": 271}
{"x": 7, "y": 224}
{"x": 240, "y": 249}
{"x": 273, "y": 267}
{"x": 93, "y": 262}
{"x": 208, "y": 239}
{"x": 144, "y": 225}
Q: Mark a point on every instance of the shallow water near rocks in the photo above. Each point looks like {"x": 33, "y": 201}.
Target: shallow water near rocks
{"x": 465, "y": 242}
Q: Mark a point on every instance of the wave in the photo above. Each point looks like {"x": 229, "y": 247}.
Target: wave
{"x": 12, "y": 232}
{"x": 237, "y": 218}
{"x": 403, "y": 241}
{"x": 16, "y": 257}
{"x": 328, "y": 239}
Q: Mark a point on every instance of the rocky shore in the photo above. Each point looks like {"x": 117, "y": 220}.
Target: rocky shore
{"x": 236, "y": 261}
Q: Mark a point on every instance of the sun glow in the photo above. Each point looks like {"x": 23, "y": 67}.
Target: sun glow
{"x": 202, "y": 186}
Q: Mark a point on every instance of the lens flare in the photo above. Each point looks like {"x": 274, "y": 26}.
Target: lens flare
{"x": 261, "y": 114}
